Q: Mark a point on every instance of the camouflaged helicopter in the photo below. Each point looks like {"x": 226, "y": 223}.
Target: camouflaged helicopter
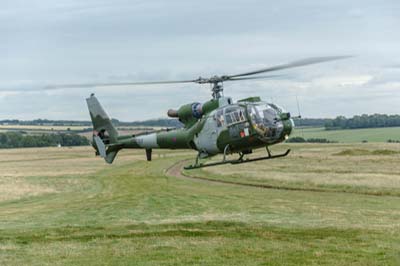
{"x": 218, "y": 126}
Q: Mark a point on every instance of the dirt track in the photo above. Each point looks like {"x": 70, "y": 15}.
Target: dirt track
{"x": 176, "y": 171}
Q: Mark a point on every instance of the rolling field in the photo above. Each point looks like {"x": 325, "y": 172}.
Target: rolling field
{"x": 327, "y": 204}
{"x": 350, "y": 135}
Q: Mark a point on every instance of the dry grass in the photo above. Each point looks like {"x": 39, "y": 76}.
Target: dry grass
{"x": 16, "y": 188}
{"x": 21, "y": 169}
{"x": 55, "y": 161}
{"x": 47, "y": 161}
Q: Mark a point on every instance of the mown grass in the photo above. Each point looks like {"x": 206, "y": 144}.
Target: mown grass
{"x": 211, "y": 243}
{"x": 349, "y": 135}
{"x": 131, "y": 213}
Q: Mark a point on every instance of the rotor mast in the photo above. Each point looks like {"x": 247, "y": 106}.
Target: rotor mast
{"x": 217, "y": 89}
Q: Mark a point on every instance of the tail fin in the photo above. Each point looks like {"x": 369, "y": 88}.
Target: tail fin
{"x": 104, "y": 133}
{"x": 101, "y": 122}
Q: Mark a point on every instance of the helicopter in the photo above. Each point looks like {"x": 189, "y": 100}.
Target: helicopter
{"x": 218, "y": 126}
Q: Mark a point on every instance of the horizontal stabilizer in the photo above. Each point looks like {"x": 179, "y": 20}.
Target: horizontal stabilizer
{"x": 111, "y": 156}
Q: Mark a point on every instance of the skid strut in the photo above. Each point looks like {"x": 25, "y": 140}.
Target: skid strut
{"x": 237, "y": 161}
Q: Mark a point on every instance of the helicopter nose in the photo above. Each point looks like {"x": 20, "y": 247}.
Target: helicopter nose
{"x": 288, "y": 126}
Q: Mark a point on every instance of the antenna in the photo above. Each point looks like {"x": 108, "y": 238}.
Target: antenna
{"x": 299, "y": 116}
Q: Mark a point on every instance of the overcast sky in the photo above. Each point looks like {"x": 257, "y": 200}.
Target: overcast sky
{"x": 55, "y": 42}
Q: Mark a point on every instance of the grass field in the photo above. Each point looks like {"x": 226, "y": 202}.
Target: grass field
{"x": 350, "y": 135}
{"x": 334, "y": 204}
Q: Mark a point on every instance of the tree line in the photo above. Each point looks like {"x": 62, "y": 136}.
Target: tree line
{"x": 363, "y": 121}
{"x": 310, "y": 140}
{"x": 340, "y": 122}
{"x": 19, "y": 140}
{"x": 311, "y": 122}
{"x": 45, "y": 122}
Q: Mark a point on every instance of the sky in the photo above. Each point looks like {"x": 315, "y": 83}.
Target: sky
{"x": 63, "y": 42}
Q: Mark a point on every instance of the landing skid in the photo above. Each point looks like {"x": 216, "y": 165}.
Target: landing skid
{"x": 237, "y": 161}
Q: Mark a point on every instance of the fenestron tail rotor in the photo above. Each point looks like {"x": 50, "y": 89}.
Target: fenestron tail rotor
{"x": 216, "y": 81}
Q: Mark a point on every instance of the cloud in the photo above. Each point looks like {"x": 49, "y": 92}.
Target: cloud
{"x": 57, "y": 42}
{"x": 342, "y": 81}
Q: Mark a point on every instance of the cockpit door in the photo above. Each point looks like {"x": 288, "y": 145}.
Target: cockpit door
{"x": 206, "y": 139}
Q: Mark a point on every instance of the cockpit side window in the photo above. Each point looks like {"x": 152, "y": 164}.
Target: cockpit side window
{"x": 277, "y": 108}
{"x": 219, "y": 117}
{"x": 234, "y": 115}
{"x": 229, "y": 119}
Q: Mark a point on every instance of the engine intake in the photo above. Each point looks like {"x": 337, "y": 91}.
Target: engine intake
{"x": 187, "y": 113}
{"x": 172, "y": 113}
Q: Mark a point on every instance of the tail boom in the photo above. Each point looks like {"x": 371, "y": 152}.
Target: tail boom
{"x": 107, "y": 141}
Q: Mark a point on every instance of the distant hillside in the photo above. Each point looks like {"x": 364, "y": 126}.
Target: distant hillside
{"x": 162, "y": 122}
{"x": 340, "y": 122}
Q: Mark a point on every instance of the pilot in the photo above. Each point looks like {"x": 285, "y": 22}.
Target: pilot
{"x": 220, "y": 119}
{"x": 241, "y": 115}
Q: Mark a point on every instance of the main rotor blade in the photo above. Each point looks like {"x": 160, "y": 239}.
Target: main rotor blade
{"x": 213, "y": 80}
{"x": 257, "y": 77}
{"x": 304, "y": 62}
{"x": 91, "y": 85}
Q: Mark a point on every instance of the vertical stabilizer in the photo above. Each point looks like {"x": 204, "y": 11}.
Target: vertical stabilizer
{"x": 102, "y": 125}
{"x": 105, "y": 136}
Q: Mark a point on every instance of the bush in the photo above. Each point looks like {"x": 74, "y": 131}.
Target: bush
{"x": 311, "y": 140}
{"x": 296, "y": 140}
{"x": 320, "y": 140}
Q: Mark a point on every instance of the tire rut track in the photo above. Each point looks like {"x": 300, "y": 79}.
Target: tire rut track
{"x": 176, "y": 171}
